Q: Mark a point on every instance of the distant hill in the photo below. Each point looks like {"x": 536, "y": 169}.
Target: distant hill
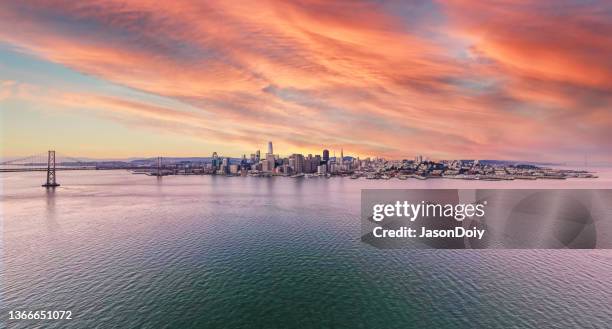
{"x": 180, "y": 159}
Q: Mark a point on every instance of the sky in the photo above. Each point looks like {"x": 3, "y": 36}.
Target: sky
{"x": 459, "y": 79}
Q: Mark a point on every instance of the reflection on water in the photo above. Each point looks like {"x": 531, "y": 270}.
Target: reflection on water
{"x": 200, "y": 251}
{"x": 50, "y": 221}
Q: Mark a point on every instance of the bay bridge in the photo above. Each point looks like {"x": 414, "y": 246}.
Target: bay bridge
{"x": 51, "y": 162}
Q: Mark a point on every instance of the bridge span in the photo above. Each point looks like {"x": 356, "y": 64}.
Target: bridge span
{"x": 50, "y": 164}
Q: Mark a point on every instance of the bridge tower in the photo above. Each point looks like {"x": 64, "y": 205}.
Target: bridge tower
{"x": 159, "y": 166}
{"x": 51, "y": 171}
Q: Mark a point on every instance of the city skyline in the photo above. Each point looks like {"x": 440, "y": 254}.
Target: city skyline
{"x": 518, "y": 80}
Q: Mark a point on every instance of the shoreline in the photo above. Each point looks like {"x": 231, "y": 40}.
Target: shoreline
{"x": 369, "y": 176}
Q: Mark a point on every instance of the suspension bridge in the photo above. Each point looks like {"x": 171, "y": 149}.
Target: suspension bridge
{"x": 51, "y": 162}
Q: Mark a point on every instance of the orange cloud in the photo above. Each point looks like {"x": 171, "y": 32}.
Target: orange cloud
{"x": 509, "y": 80}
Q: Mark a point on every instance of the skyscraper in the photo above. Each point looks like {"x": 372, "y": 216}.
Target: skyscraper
{"x": 341, "y": 155}
{"x": 325, "y": 155}
{"x": 270, "y": 148}
{"x": 216, "y": 162}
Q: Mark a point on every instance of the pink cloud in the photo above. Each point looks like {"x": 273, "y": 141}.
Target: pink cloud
{"x": 348, "y": 74}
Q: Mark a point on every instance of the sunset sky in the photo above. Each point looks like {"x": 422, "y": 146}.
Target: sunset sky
{"x": 513, "y": 79}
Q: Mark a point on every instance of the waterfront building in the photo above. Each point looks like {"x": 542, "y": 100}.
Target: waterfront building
{"x": 292, "y": 162}
{"x": 245, "y": 167}
{"x": 286, "y": 169}
{"x": 310, "y": 164}
{"x": 270, "y": 151}
{"x": 269, "y": 162}
{"x": 224, "y": 166}
{"x": 322, "y": 169}
{"x": 306, "y": 165}
{"x": 296, "y": 162}
{"x": 299, "y": 164}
